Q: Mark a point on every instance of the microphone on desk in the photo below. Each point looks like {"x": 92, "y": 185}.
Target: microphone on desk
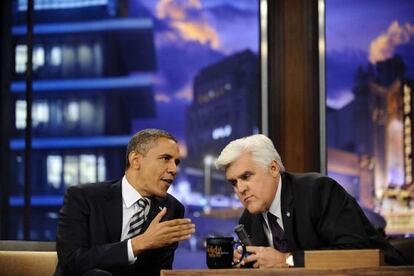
{"x": 242, "y": 234}
{"x": 245, "y": 241}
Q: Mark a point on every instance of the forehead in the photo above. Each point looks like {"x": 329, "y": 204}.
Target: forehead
{"x": 164, "y": 145}
{"x": 243, "y": 163}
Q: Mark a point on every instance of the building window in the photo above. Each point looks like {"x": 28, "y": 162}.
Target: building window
{"x": 56, "y": 56}
{"x": 20, "y": 58}
{"x": 54, "y": 171}
{"x": 71, "y": 170}
{"x": 73, "y": 112}
{"x": 20, "y": 114}
{"x": 40, "y": 113}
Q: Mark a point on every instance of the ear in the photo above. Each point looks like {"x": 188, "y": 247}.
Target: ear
{"x": 274, "y": 168}
{"x": 135, "y": 160}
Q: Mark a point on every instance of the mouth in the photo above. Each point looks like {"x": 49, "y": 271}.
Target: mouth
{"x": 168, "y": 180}
{"x": 247, "y": 199}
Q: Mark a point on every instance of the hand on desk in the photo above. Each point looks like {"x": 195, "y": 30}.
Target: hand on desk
{"x": 160, "y": 234}
{"x": 264, "y": 257}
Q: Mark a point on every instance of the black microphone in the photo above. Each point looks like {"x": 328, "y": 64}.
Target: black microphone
{"x": 242, "y": 234}
{"x": 245, "y": 241}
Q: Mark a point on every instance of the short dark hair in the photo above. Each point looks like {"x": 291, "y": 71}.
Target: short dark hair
{"x": 144, "y": 140}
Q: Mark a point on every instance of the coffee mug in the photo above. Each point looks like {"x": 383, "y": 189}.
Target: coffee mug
{"x": 219, "y": 252}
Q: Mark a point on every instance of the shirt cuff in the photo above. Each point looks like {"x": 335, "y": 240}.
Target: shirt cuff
{"x": 131, "y": 257}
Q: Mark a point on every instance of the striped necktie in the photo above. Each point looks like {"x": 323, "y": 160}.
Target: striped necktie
{"x": 138, "y": 219}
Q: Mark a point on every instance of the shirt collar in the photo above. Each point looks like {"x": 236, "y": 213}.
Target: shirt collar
{"x": 275, "y": 206}
{"x": 129, "y": 194}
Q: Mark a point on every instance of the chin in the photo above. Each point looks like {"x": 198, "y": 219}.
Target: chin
{"x": 255, "y": 207}
{"x": 253, "y": 210}
{"x": 162, "y": 193}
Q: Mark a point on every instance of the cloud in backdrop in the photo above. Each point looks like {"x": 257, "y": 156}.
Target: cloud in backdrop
{"x": 190, "y": 35}
{"x": 384, "y": 46}
{"x": 358, "y": 34}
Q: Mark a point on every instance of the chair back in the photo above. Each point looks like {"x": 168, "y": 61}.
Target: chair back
{"x": 19, "y": 258}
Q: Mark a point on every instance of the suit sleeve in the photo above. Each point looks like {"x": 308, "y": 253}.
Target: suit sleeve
{"x": 163, "y": 258}
{"x": 335, "y": 219}
{"x": 338, "y": 221}
{"x": 167, "y": 255}
{"x": 74, "y": 238}
{"x": 341, "y": 224}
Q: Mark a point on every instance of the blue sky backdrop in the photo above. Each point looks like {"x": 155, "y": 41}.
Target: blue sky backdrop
{"x": 359, "y": 32}
{"x": 189, "y": 35}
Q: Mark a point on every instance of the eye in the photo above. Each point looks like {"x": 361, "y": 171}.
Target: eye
{"x": 165, "y": 158}
{"x": 246, "y": 176}
{"x": 232, "y": 182}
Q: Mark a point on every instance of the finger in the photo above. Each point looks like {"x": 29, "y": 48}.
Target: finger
{"x": 179, "y": 228}
{"x": 179, "y": 238}
{"x": 237, "y": 254}
{"x": 175, "y": 222}
{"x": 180, "y": 233}
{"x": 235, "y": 259}
{"x": 251, "y": 258}
{"x": 159, "y": 216}
{"x": 252, "y": 249}
{"x": 256, "y": 265}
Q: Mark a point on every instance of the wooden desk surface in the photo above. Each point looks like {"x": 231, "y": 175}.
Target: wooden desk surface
{"x": 382, "y": 270}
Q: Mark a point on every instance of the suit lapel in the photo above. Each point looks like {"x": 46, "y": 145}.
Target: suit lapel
{"x": 157, "y": 204}
{"x": 113, "y": 211}
{"x": 258, "y": 234}
{"x": 288, "y": 212}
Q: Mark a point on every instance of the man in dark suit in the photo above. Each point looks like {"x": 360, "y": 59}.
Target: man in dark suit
{"x": 131, "y": 226}
{"x": 288, "y": 213}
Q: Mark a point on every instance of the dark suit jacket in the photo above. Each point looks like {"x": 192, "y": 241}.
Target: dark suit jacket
{"x": 318, "y": 214}
{"x": 89, "y": 232}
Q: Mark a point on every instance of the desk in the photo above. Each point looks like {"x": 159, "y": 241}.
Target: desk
{"x": 382, "y": 270}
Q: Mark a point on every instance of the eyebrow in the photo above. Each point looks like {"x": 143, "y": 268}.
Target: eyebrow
{"x": 245, "y": 173}
{"x": 176, "y": 160}
{"x": 241, "y": 176}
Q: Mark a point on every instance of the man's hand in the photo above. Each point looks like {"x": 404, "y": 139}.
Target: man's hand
{"x": 237, "y": 253}
{"x": 237, "y": 256}
{"x": 265, "y": 257}
{"x": 160, "y": 234}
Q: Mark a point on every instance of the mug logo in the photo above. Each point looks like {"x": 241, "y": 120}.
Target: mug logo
{"x": 214, "y": 251}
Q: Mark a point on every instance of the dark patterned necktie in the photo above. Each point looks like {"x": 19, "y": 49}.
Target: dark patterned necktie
{"x": 279, "y": 241}
{"x": 138, "y": 219}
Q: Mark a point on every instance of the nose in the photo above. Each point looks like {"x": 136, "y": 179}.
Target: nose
{"x": 172, "y": 168}
{"x": 241, "y": 187}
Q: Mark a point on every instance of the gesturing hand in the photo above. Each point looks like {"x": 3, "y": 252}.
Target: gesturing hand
{"x": 265, "y": 257}
{"x": 160, "y": 234}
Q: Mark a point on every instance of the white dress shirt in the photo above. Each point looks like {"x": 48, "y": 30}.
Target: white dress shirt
{"x": 276, "y": 210}
{"x": 129, "y": 208}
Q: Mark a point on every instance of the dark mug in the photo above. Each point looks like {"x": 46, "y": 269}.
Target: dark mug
{"x": 219, "y": 252}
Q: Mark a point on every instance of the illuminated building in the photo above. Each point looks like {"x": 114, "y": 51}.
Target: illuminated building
{"x": 225, "y": 108}
{"x": 374, "y": 155}
{"x": 92, "y": 68}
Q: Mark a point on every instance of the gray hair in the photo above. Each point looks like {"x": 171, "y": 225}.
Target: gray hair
{"x": 144, "y": 140}
{"x": 261, "y": 147}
